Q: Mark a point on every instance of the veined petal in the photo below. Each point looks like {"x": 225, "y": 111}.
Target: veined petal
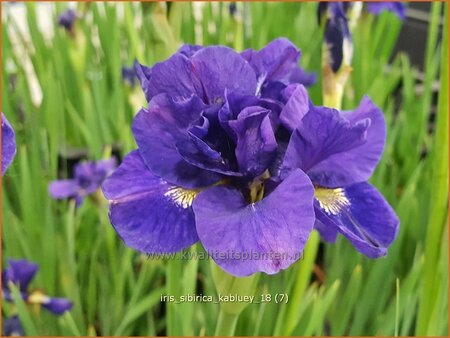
{"x": 221, "y": 69}
{"x": 275, "y": 61}
{"x": 149, "y": 214}
{"x": 297, "y": 106}
{"x": 361, "y": 214}
{"x": 174, "y": 77}
{"x": 256, "y": 144}
{"x": 358, "y": 163}
{"x": 8, "y": 144}
{"x": 236, "y": 103}
{"x": 159, "y": 129}
{"x": 337, "y": 148}
{"x": 266, "y": 236}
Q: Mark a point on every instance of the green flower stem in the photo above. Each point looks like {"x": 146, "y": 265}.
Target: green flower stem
{"x": 226, "y": 324}
{"x": 227, "y": 284}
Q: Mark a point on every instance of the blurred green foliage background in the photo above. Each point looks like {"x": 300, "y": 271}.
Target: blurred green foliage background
{"x": 64, "y": 95}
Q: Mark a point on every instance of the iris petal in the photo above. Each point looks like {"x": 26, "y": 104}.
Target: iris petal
{"x": 362, "y": 215}
{"x": 20, "y": 272}
{"x": 149, "y": 214}
{"x": 256, "y": 144}
{"x": 174, "y": 77}
{"x": 266, "y": 236}
{"x": 57, "y": 305}
{"x": 328, "y": 233}
{"x": 8, "y": 144}
{"x": 358, "y": 163}
{"x": 337, "y": 148}
{"x": 196, "y": 152}
{"x": 157, "y": 132}
{"x": 220, "y": 68}
{"x": 297, "y": 106}
{"x": 275, "y": 61}
{"x": 62, "y": 189}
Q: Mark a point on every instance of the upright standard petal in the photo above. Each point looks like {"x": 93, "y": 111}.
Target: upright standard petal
{"x": 204, "y": 72}
{"x": 256, "y": 144}
{"x": 296, "y": 107}
{"x": 322, "y": 132}
{"x": 266, "y": 236}
{"x": 275, "y": 62}
{"x": 361, "y": 214}
{"x": 338, "y": 149}
{"x": 149, "y": 214}
{"x": 159, "y": 129}
{"x": 8, "y": 144}
{"x": 221, "y": 69}
{"x": 174, "y": 77}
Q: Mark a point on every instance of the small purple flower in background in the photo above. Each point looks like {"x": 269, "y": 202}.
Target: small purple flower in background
{"x": 129, "y": 75}
{"x": 20, "y": 273}
{"x": 232, "y": 152}
{"x": 8, "y": 144}
{"x": 396, "y": 7}
{"x": 67, "y": 19}
{"x": 88, "y": 178}
{"x": 13, "y": 327}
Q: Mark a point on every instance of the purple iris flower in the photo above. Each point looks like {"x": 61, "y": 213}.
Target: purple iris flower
{"x": 20, "y": 273}
{"x": 339, "y": 151}
{"x": 205, "y": 148}
{"x": 8, "y": 144}
{"x": 13, "y": 327}
{"x": 67, "y": 19}
{"x": 396, "y": 7}
{"x": 217, "y": 162}
{"x": 88, "y": 178}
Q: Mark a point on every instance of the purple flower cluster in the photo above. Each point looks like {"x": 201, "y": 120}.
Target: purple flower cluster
{"x": 88, "y": 178}
{"x": 20, "y": 273}
{"x": 232, "y": 152}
